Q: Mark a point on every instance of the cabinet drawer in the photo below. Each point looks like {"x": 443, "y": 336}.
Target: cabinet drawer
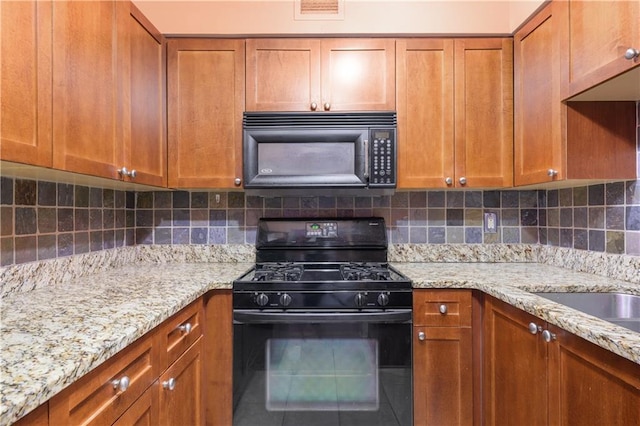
{"x": 181, "y": 331}
{"x": 98, "y": 398}
{"x": 442, "y": 308}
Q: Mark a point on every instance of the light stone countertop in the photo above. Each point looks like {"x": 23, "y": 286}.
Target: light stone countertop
{"x": 52, "y": 335}
{"x": 514, "y": 283}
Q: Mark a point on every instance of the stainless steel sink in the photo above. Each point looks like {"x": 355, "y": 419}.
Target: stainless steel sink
{"x": 619, "y": 308}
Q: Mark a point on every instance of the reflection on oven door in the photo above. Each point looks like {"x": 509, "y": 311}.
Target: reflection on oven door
{"x": 322, "y": 374}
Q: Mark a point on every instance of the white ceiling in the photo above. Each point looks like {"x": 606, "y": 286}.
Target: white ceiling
{"x": 364, "y": 17}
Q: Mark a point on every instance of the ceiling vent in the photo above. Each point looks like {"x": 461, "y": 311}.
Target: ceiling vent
{"x": 311, "y": 10}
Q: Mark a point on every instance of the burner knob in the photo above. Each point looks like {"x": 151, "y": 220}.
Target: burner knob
{"x": 383, "y": 299}
{"x": 262, "y": 299}
{"x": 360, "y": 299}
{"x": 285, "y": 300}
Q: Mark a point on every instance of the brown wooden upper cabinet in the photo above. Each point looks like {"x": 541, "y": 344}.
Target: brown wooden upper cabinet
{"x": 320, "y": 74}
{"x": 25, "y": 89}
{"x": 556, "y": 141}
{"x": 600, "y": 41}
{"x": 455, "y": 121}
{"x": 145, "y": 144}
{"x": 205, "y": 104}
{"x": 108, "y": 79}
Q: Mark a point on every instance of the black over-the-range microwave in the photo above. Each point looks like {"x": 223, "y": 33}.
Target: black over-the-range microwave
{"x": 317, "y": 153}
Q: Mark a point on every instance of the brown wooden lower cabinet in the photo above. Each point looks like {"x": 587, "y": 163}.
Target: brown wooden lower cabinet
{"x": 442, "y": 358}
{"x": 143, "y": 412}
{"x": 566, "y": 381}
{"x": 181, "y": 389}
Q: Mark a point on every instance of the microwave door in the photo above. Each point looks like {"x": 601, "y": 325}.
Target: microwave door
{"x": 312, "y": 158}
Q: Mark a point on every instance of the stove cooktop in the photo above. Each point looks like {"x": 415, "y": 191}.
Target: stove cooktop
{"x": 322, "y": 264}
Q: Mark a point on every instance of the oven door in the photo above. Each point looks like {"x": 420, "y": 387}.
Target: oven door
{"x": 322, "y": 368}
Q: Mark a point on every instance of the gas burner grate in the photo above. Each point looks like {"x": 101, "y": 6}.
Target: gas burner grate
{"x": 278, "y": 272}
{"x": 365, "y": 272}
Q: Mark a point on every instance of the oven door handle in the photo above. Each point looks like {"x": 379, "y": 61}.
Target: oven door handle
{"x": 259, "y": 317}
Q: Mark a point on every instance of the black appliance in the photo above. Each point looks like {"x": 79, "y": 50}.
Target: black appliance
{"x": 322, "y": 327}
{"x": 301, "y": 153}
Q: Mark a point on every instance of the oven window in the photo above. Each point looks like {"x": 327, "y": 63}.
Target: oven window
{"x": 322, "y": 374}
{"x": 306, "y": 158}
{"x": 336, "y": 374}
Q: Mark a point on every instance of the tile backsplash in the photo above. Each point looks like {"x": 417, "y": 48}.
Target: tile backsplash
{"x": 43, "y": 220}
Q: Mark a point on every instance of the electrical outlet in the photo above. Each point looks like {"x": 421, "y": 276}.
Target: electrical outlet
{"x": 490, "y": 223}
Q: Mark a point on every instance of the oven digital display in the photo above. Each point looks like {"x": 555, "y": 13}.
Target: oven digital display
{"x": 321, "y": 229}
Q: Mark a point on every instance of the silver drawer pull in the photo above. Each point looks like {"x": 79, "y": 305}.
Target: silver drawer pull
{"x": 421, "y": 335}
{"x": 548, "y": 336}
{"x": 122, "y": 384}
{"x": 185, "y": 328}
{"x": 443, "y": 309}
{"x": 169, "y": 384}
{"x": 534, "y": 328}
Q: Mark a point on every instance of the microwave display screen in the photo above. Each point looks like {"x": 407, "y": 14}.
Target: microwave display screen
{"x": 306, "y": 158}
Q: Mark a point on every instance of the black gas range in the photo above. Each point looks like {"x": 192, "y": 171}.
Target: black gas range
{"x": 322, "y": 264}
{"x": 322, "y": 327}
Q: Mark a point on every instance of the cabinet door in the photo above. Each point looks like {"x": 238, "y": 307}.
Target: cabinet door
{"x": 87, "y": 107}
{"x": 358, "y": 74}
{"x": 143, "y": 412}
{"x": 283, "y": 75}
{"x": 145, "y": 144}
{"x": 515, "y": 367}
{"x": 484, "y": 112}
{"x": 581, "y": 373}
{"x": 205, "y": 103}
{"x": 598, "y": 35}
{"x": 181, "y": 390}
{"x": 425, "y": 112}
{"x": 538, "y": 144}
{"x": 443, "y": 379}
{"x": 25, "y": 89}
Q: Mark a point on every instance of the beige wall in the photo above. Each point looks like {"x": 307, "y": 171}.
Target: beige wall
{"x": 248, "y": 17}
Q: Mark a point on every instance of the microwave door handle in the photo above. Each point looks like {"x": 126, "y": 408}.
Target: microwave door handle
{"x": 366, "y": 158}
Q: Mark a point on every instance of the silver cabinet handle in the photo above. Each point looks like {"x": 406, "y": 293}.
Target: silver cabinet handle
{"x": 448, "y": 180}
{"x": 552, "y": 173}
{"x": 122, "y": 384}
{"x": 169, "y": 384}
{"x": 462, "y": 180}
{"x": 421, "y": 335}
{"x": 237, "y": 181}
{"x": 126, "y": 172}
{"x": 534, "y": 328}
{"x": 185, "y": 328}
{"x": 314, "y": 106}
{"x": 327, "y": 106}
{"x": 548, "y": 336}
{"x": 631, "y": 53}
{"x": 443, "y": 309}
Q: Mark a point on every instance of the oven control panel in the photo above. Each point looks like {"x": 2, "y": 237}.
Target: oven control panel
{"x": 321, "y": 229}
{"x": 312, "y": 300}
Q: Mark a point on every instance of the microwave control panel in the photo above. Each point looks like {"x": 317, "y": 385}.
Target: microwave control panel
{"x": 383, "y": 158}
